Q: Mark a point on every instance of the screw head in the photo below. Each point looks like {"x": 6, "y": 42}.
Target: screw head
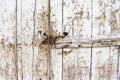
{"x": 44, "y": 42}
{"x": 65, "y": 33}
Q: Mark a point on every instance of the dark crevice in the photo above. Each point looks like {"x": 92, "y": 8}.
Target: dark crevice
{"x": 118, "y": 77}
{"x": 62, "y": 63}
{"x": 21, "y": 45}
{"x": 90, "y": 76}
{"x": 49, "y": 53}
{"x": 33, "y": 38}
{"x": 16, "y": 63}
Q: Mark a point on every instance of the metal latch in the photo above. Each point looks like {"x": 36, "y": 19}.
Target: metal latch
{"x": 49, "y": 39}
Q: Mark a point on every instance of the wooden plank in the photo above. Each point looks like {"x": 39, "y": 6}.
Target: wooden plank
{"x": 56, "y": 66}
{"x": 114, "y": 17}
{"x": 77, "y": 18}
{"x": 19, "y": 38}
{"x": 40, "y": 65}
{"x": 104, "y": 63}
{"x": 56, "y": 17}
{"x": 76, "y": 64}
{"x": 8, "y": 56}
{"x": 56, "y": 28}
{"x": 88, "y": 42}
{"x": 27, "y": 39}
{"x": 101, "y": 27}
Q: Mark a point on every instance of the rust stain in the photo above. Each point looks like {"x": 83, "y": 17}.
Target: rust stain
{"x": 71, "y": 71}
{"x": 43, "y": 47}
{"x": 7, "y": 46}
{"x": 42, "y": 56}
{"x": 42, "y": 20}
{"x": 80, "y": 14}
{"x": 106, "y": 70}
{"x": 52, "y": 31}
{"x": 65, "y": 53}
{"x": 101, "y": 17}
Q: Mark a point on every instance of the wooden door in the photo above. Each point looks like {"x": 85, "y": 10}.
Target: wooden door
{"x": 90, "y": 51}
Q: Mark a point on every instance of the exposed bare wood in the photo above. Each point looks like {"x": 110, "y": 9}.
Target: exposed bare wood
{"x": 104, "y": 63}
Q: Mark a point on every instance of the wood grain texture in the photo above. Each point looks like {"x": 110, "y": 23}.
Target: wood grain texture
{"x": 40, "y": 63}
{"x": 104, "y": 63}
{"x": 8, "y": 68}
{"x": 77, "y": 18}
{"x": 76, "y": 64}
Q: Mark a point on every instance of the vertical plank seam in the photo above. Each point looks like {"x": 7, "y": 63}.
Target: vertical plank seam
{"x": 108, "y": 57}
{"x": 91, "y": 18}
{"x": 62, "y": 14}
{"x": 91, "y": 37}
{"x": 33, "y": 38}
{"x": 62, "y": 32}
{"x": 21, "y": 45}
{"x": 16, "y": 63}
{"x": 110, "y": 33}
{"x": 49, "y": 66}
{"x": 62, "y": 63}
{"x": 118, "y": 63}
{"x": 91, "y": 64}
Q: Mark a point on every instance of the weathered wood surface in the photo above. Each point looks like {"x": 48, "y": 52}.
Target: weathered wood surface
{"x": 105, "y": 59}
{"x": 56, "y": 64}
{"x": 77, "y": 18}
{"x": 56, "y": 29}
{"x": 40, "y": 63}
{"x": 8, "y": 56}
{"x": 27, "y": 29}
{"x": 19, "y": 38}
{"x": 87, "y": 42}
{"x": 89, "y": 23}
{"x": 118, "y": 75}
{"x": 104, "y": 63}
{"x": 76, "y": 65}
